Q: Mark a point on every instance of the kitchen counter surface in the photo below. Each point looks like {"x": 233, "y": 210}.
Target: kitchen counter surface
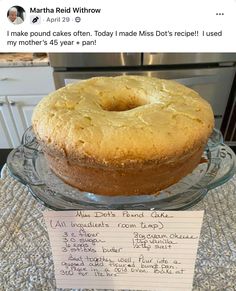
{"x": 23, "y": 60}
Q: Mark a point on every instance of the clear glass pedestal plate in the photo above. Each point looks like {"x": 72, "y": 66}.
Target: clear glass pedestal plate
{"x": 28, "y": 164}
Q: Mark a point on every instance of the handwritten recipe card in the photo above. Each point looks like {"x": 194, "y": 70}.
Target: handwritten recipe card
{"x": 144, "y": 250}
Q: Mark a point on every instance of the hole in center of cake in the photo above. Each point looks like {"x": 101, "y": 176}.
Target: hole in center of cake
{"x": 122, "y": 104}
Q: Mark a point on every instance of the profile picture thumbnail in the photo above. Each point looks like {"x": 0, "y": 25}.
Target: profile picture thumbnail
{"x": 16, "y": 14}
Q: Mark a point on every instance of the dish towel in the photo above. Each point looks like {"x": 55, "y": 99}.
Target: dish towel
{"x": 26, "y": 259}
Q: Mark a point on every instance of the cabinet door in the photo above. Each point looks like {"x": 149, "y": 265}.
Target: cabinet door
{"x": 8, "y": 135}
{"x": 22, "y": 109}
{"x": 26, "y": 80}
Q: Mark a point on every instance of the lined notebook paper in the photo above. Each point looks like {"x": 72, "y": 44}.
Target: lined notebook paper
{"x": 144, "y": 250}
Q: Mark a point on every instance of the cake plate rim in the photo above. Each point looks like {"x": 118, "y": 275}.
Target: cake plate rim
{"x": 28, "y": 152}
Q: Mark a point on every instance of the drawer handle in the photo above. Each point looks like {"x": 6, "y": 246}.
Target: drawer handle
{"x": 218, "y": 116}
{"x": 4, "y": 79}
{"x": 12, "y": 102}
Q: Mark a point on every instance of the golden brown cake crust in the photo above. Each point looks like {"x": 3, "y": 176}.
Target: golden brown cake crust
{"x": 148, "y": 179}
{"x": 118, "y": 123}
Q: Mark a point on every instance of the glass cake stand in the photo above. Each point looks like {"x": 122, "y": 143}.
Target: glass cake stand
{"x": 28, "y": 164}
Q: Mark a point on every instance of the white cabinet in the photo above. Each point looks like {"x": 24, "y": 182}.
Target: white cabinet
{"x": 8, "y": 134}
{"x": 26, "y": 80}
{"x": 21, "y": 88}
{"x": 22, "y": 109}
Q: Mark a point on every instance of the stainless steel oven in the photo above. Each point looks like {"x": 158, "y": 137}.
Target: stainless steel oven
{"x": 210, "y": 74}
